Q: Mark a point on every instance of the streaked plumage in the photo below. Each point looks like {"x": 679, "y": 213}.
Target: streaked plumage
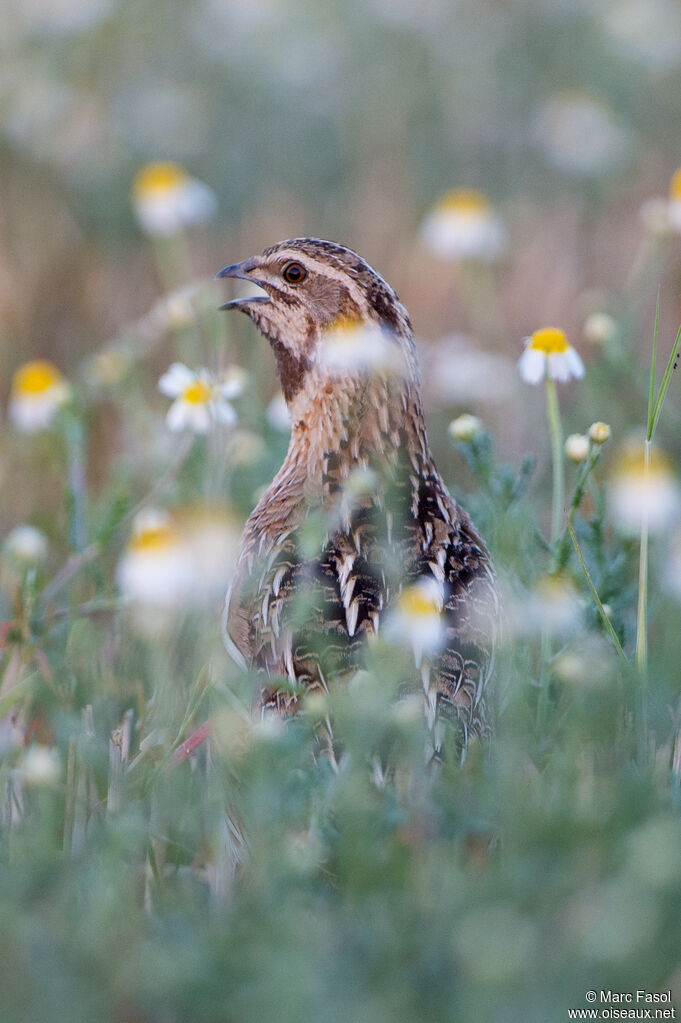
{"x": 376, "y": 540}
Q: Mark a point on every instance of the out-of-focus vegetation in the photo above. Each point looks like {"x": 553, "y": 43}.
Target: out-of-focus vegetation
{"x": 248, "y": 881}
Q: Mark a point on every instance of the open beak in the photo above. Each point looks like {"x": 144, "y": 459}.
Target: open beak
{"x": 241, "y": 271}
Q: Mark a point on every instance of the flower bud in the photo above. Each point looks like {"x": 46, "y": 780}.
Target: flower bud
{"x": 599, "y": 432}
{"x": 26, "y": 546}
{"x": 599, "y": 328}
{"x": 577, "y": 447}
{"x": 465, "y": 427}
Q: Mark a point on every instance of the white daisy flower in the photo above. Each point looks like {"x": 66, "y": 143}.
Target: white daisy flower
{"x": 26, "y": 546}
{"x": 351, "y": 344}
{"x": 463, "y": 225}
{"x": 179, "y": 560}
{"x": 200, "y": 398}
{"x": 549, "y": 354}
{"x": 416, "y": 619}
{"x": 167, "y": 199}
{"x": 38, "y": 392}
{"x": 211, "y": 535}
{"x": 634, "y": 493}
{"x": 456, "y": 371}
{"x": 157, "y": 568}
{"x": 553, "y": 607}
{"x": 40, "y": 767}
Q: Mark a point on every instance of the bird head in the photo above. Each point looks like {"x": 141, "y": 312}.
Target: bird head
{"x": 323, "y": 309}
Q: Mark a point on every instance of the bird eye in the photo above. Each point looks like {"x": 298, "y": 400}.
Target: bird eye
{"x": 294, "y": 273}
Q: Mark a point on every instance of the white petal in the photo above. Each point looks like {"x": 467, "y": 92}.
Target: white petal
{"x": 576, "y": 364}
{"x": 175, "y": 380}
{"x": 177, "y": 418}
{"x": 164, "y": 578}
{"x": 32, "y": 414}
{"x": 532, "y": 366}
{"x": 453, "y": 235}
{"x": 197, "y": 203}
{"x": 231, "y": 388}
{"x": 159, "y": 215}
{"x": 198, "y": 417}
{"x": 224, "y": 413}
{"x": 559, "y": 367}
{"x": 659, "y": 501}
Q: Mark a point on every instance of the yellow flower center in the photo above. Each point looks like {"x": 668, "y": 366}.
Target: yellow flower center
{"x": 158, "y": 178}
{"x": 346, "y": 326}
{"x": 416, "y": 602}
{"x": 153, "y": 539}
{"x": 34, "y": 378}
{"x": 631, "y": 464}
{"x": 197, "y": 393}
{"x": 550, "y": 341}
{"x": 675, "y": 186}
{"x": 553, "y": 588}
{"x": 466, "y": 201}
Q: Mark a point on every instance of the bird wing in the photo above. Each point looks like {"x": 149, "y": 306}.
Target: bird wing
{"x": 451, "y": 551}
{"x": 305, "y": 617}
{"x": 471, "y": 611}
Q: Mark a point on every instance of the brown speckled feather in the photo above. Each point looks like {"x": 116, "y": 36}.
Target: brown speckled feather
{"x": 301, "y": 608}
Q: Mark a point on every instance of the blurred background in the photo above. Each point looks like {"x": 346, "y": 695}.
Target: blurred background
{"x": 506, "y": 166}
{"x": 347, "y": 121}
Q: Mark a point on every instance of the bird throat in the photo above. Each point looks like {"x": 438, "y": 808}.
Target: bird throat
{"x": 291, "y": 369}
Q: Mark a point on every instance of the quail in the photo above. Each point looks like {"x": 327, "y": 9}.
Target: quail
{"x": 358, "y": 512}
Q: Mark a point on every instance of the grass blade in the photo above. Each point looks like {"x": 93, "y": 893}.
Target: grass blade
{"x": 654, "y": 416}
{"x": 653, "y": 368}
{"x": 597, "y": 600}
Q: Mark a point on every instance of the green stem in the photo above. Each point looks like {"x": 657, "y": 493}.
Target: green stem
{"x": 76, "y": 481}
{"x": 597, "y": 600}
{"x": 641, "y": 655}
{"x": 543, "y": 684}
{"x": 561, "y": 554}
{"x": 642, "y": 615}
{"x": 556, "y": 431}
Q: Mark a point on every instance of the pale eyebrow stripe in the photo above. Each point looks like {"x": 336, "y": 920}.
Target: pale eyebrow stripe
{"x": 309, "y": 261}
{"x": 323, "y": 268}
